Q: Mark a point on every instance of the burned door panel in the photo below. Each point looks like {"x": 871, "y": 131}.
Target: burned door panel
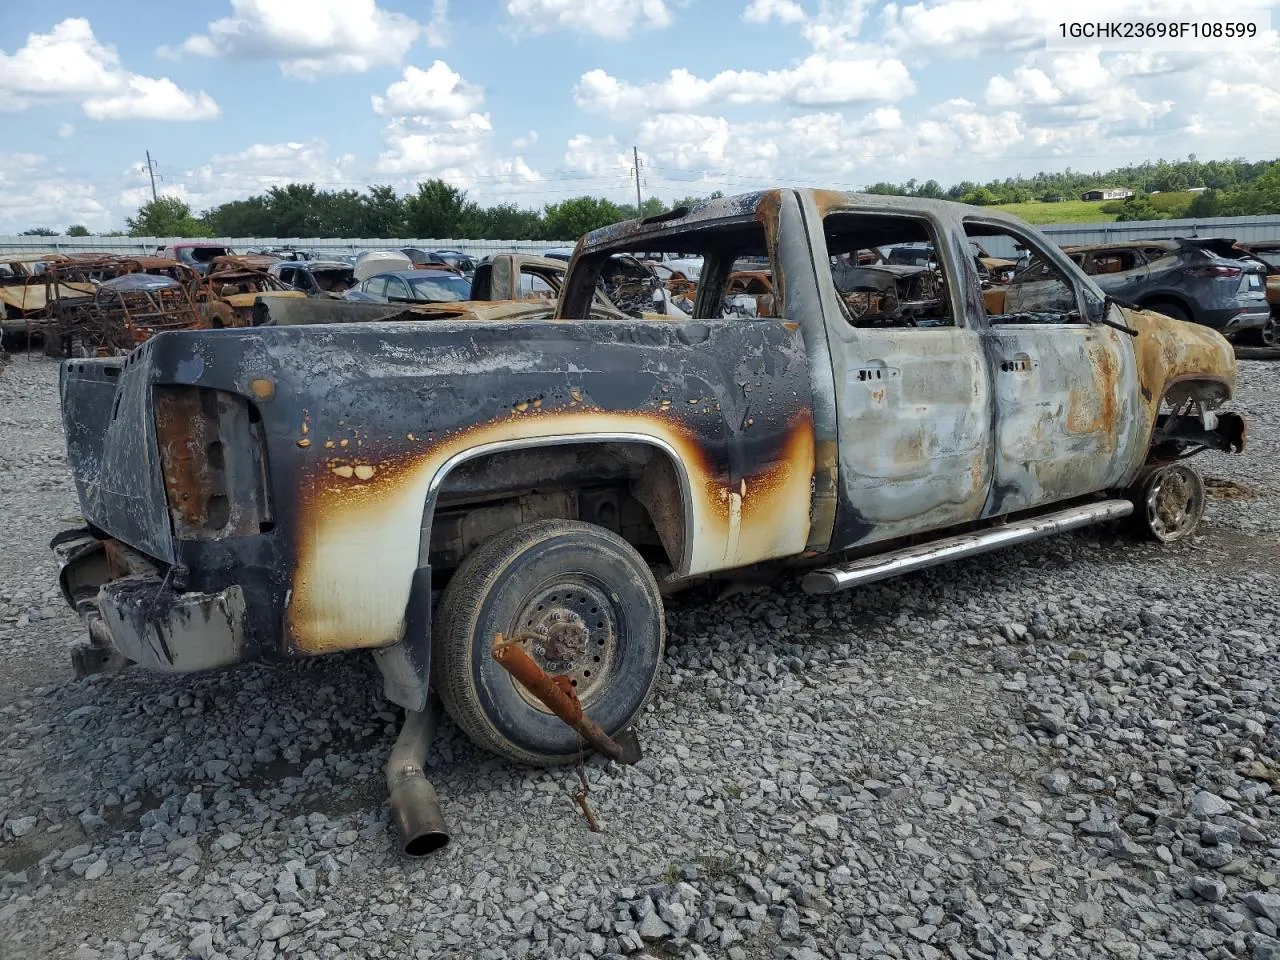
{"x": 913, "y": 393}
{"x": 1068, "y": 420}
{"x": 916, "y": 443}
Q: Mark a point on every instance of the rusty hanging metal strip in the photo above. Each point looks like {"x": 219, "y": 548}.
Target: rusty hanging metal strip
{"x": 558, "y": 696}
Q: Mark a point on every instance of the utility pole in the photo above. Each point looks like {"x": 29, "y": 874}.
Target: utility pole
{"x": 635, "y": 155}
{"x": 151, "y": 171}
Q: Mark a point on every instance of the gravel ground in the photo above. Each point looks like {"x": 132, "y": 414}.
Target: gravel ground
{"x": 1066, "y": 750}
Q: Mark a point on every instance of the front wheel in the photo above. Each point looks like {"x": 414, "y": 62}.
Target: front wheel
{"x": 1169, "y": 502}
{"x": 588, "y": 607}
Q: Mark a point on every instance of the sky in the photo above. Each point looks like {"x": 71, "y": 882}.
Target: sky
{"x": 534, "y": 101}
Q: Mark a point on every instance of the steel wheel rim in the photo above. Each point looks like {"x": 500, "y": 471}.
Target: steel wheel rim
{"x": 1174, "y": 503}
{"x": 570, "y": 627}
{"x": 1269, "y": 332}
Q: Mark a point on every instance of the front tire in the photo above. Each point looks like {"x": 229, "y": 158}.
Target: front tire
{"x": 592, "y": 611}
{"x": 1169, "y": 502}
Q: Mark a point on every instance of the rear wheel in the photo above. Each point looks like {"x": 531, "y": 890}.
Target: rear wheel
{"x": 1169, "y": 502}
{"x": 1172, "y": 310}
{"x": 589, "y": 608}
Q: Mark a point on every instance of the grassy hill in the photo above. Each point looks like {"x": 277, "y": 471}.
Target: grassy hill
{"x": 1069, "y": 211}
{"x": 1172, "y": 204}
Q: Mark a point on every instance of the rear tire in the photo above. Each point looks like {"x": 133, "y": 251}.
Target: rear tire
{"x": 1172, "y": 310}
{"x": 595, "y": 603}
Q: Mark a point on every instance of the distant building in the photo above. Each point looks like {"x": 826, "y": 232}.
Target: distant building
{"x": 1054, "y": 198}
{"x": 1196, "y": 189}
{"x": 1108, "y": 193}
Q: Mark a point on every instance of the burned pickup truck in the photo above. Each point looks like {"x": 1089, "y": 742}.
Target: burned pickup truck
{"x": 290, "y": 491}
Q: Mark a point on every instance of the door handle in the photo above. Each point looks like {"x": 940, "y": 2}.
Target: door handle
{"x": 1022, "y": 363}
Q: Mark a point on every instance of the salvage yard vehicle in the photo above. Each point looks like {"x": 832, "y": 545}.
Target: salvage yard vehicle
{"x": 225, "y": 295}
{"x": 440, "y": 284}
{"x": 1268, "y": 254}
{"x": 24, "y": 291}
{"x": 194, "y": 254}
{"x": 92, "y": 308}
{"x": 315, "y": 278}
{"x": 1201, "y": 280}
{"x": 289, "y": 491}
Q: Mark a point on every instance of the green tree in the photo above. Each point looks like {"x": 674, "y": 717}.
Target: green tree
{"x": 1138, "y": 207}
{"x": 77, "y": 230}
{"x": 506, "y": 221}
{"x": 572, "y": 218}
{"x": 239, "y": 218}
{"x": 165, "y": 217}
{"x": 1204, "y": 204}
{"x": 439, "y": 210}
{"x": 931, "y": 190}
{"x": 384, "y": 213}
{"x": 885, "y": 189}
{"x": 982, "y": 197}
{"x": 39, "y": 232}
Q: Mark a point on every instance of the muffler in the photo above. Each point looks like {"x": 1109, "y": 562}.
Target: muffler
{"x": 415, "y": 811}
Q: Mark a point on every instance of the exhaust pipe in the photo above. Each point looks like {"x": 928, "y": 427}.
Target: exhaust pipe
{"x": 415, "y": 811}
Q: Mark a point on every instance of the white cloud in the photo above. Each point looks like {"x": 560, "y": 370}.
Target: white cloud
{"x": 966, "y": 28}
{"x": 314, "y": 37}
{"x": 69, "y": 62}
{"x": 34, "y": 193}
{"x": 244, "y": 173}
{"x": 784, "y": 11}
{"x": 437, "y": 91}
{"x": 438, "y": 128}
{"x": 66, "y": 130}
{"x": 148, "y": 99}
{"x": 421, "y": 146}
{"x": 1086, "y": 93}
{"x": 815, "y": 80}
{"x": 602, "y": 157}
{"x": 612, "y": 19}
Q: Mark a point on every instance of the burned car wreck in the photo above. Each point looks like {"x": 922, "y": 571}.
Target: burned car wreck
{"x": 288, "y": 491}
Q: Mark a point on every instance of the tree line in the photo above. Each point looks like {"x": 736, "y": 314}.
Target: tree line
{"x": 433, "y": 209}
{"x": 439, "y": 209}
{"x": 1237, "y": 178}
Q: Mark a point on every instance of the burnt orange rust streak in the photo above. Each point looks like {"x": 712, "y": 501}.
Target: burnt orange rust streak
{"x": 357, "y": 535}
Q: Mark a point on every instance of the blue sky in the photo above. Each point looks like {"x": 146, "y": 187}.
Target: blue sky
{"x": 535, "y": 100}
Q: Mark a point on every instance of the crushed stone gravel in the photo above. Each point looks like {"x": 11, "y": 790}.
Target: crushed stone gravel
{"x": 1070, "y": 749}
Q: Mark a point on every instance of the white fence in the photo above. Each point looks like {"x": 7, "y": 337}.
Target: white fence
{"x": 337, "y": 246}
{"x": 1237, "y": 228}
{"x": 1243, "y": 229}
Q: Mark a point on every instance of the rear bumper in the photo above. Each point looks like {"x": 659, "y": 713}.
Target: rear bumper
{"x": 131, "y": 608}
{"x": 1237, "y": 319}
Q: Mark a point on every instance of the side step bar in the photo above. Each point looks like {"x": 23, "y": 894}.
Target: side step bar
{"x": 909, "y": 559}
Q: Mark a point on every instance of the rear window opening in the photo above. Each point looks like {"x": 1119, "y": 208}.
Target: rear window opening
{"x": 887, "y": 271}
{"x": 699, "y": 273}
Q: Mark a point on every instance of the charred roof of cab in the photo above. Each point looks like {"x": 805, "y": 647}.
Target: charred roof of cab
{"x": 748, "y": 204}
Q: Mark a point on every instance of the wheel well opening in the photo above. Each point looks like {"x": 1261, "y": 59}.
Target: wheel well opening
{"x": 1165, "y": 299}
{"x": 632, "y": 488}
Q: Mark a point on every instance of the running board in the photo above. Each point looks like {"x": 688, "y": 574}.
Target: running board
{"x": 909, "y": 559}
